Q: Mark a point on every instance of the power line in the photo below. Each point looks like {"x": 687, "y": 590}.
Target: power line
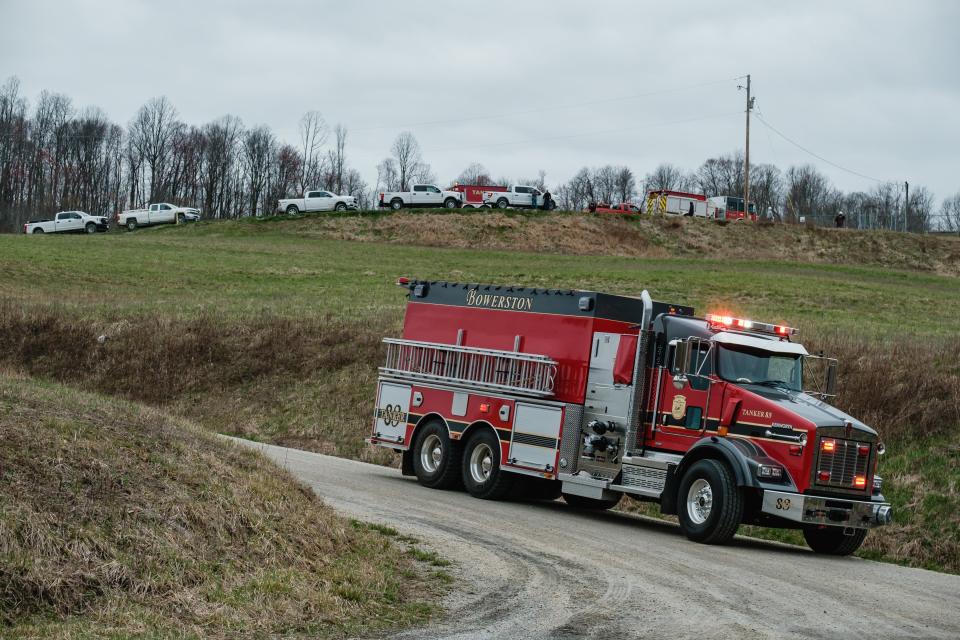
{"x": 561, "y": 107}
{"x": 584, "y": 134}
{"x": 815, "y": 155}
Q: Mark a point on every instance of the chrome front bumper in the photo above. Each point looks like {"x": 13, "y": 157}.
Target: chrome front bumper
{"x": 835, "y": 512}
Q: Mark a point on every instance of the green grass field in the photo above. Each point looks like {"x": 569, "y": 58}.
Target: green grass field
{"x": 270, "y": 329}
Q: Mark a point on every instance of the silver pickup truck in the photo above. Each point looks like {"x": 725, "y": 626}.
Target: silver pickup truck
{"x": 69, "y": 222}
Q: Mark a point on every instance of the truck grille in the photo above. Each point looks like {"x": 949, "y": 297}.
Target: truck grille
{"x": 841, "y": 467}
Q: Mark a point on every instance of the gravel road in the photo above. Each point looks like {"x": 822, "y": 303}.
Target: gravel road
{"x": 543, "y": 570}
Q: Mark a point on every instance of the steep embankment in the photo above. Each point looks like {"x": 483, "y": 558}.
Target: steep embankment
{"x": 635, "y": 236}
{"x": 118, "y": 521}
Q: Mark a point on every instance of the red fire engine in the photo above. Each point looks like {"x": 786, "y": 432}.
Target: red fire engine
{"x": 598, "y": 395}
{"x": 473, "y": 193}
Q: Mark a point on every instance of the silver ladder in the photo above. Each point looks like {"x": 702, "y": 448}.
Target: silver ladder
{"x": 523, "y": 373}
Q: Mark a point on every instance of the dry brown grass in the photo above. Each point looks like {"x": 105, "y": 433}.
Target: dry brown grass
{"x": 635, "y": 236}
{"x": 117, "y": 521}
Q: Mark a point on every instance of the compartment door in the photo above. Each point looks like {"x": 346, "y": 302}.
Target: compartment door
{"x": 536, "y": 430}
{"x": 393, "y": 403}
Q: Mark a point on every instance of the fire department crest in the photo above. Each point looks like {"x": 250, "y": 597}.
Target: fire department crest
{"x": 679, "y": 407}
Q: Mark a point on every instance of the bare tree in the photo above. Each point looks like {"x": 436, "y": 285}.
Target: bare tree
{"x": 337, "y": 159}
{"x": 920, "y": 212}
{"x": 476, "y": 174}
{"x": 666, "y": 177}
{"x": 313, "y": 135}
{"x": 258, "y": 149}
{"x": 409, "y": 162}
{"x": 950, "y": 213}
{"x": 625, "y": 184}
{"x": 152, "y": 133}
{"x": 388, "y": 177}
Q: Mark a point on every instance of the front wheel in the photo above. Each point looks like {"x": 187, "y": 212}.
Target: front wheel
{"x": 709, "y": 503}
{"x": 482, "y": 476}
{"x": 292, "y": 210}
{"x": 181, "y": 218}
{"x": 833, "y": 541}
{"x": 436, "y": 458}
{"x": 450, "y": 203}
{"x": 90, "y": 228}
{"x": 592, "y": 504}
{"x": 340, "y": 207}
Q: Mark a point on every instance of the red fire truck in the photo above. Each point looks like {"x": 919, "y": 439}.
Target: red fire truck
{"x": 715, "y": 418}
{"x": 473, "y": 193}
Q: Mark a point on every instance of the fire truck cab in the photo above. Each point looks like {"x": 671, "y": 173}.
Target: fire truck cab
{"x": 719, "y": 420}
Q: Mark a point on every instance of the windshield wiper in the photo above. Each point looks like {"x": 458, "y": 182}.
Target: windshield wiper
{"x": 782, "y": 384}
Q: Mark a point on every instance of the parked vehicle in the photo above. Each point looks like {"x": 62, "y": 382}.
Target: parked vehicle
{"x": 731, "y": 208}
{"x": 317, "y": 201}
{"x": 421, "y": 196}
{"x": 518, "y": 197}
{"x": 473, "y": 193}
{"x": 69, "y": 222}
{"x": 678, "y": 203}
{"x": 159, "y": 213}
{"x": 605, "y": 207}
{"x": 721, "y": 421}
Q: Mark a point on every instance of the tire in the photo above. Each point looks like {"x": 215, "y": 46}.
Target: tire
{"x": 181, "y": 219}
{"x": 340, "y": 207}
{"x": 502, "y": 203}
{"x": 91, "y": 228}
{"x": 396, "y": 204}
{"x": 482, "y": 476}
{"x": 591, "y": 504}
{"x": 436, "y": 458}
{"x": 709, "y": 503}
{"x": 450, "y": 203}
{"x": 831, "y": 541}
{"x": 292, "y": 210}
{"x": 132, "y": 224}
{"x": 37, "y": 230}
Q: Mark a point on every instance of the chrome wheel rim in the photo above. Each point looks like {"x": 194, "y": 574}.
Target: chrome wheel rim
{"x": 481, "y": 463}
{"x": 431, "y": 453}
{"x": 699, "y": 501}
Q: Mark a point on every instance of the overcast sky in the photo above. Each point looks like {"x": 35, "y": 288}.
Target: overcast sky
{"x": 872, "y": 86}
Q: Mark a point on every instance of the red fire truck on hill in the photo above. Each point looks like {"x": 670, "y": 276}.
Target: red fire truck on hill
{"x": 473, "y": 193}
{"x": 600, "y": 395}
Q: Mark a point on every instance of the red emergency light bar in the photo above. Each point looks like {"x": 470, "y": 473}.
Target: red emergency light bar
{"x": 716, "y": 321}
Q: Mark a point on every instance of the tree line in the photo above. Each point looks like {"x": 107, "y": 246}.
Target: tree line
{"x": 55, "y": 157}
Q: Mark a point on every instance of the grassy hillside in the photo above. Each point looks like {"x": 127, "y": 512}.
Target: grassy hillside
{"x": 116, "y": 521}
{"x": 270, "y": 329}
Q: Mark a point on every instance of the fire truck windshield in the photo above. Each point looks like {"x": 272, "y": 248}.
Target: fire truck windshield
{"x": 737, "y": 363}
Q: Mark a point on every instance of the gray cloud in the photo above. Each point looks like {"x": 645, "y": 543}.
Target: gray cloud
{"x": 872, "y": 86}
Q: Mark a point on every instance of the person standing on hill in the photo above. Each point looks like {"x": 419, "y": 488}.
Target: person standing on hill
{"x": 840, "y": 219}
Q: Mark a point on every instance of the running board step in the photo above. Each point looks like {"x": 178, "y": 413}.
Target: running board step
{"x": 646, "y": 479}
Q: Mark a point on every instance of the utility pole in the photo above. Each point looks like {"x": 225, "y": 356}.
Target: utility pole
{"x": 906, "y": 205}
{"x": 746, "y": 155}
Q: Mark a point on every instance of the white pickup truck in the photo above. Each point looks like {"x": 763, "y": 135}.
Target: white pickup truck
{"x": 159, "y": 213}
{"x": 519, "y": 197}
{"x": 317, "y": 201}
{"x": 421, "y": 196}
{"x": 69, "y": 222}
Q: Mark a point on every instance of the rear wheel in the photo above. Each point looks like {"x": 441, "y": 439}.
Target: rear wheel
{"x": 502, "y": 203}
{"x": 832, "y": 540}
{"x": 397, "y": 204}
{"x": 38, "y": 230}
{"x": 436, "y": 458}
{"x": 90, "y": 228}
{"x": 132, "y": 224}
{"x": 482, "y": 476}
{"x": 709, "y": 503}
{"x": 593, "y": 504}
{"x": 292, "y": 210}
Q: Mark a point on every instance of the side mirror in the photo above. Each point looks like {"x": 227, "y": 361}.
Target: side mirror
{"x": 681, "y": 363}
{"x": 831, "y": 389}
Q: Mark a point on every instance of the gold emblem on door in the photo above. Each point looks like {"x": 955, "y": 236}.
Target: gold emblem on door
{"x": 679, "y": 407}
